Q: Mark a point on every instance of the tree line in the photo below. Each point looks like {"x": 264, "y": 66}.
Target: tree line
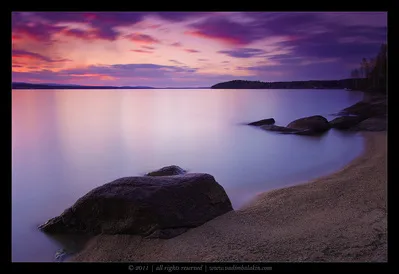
{"x": 371, "y": 75}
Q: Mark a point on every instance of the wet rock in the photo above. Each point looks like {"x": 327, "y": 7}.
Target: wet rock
{"x": 269, "y": 121}
{"x": 278, "y": 129}
{"x": 311, "y": 125}
{"x": 154, "y": 206}
{"x": 371, "y": 124}
{"x": 345, "y": 122}
{"x": 375, "y": 107}
{"x": 167, "y": 171}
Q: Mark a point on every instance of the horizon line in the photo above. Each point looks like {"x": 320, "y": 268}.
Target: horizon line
{"x": 152, "y": 87}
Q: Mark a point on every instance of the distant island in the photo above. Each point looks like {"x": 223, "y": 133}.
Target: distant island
{"x": 316, "y": 84}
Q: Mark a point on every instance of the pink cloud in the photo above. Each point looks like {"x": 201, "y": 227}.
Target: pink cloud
{"x": 191, "y": 50}
{"x": 147, "y": 47}
{"x": 15, "y": 37}
{"x": 77, "y": 33}
{"x": 88, "y": 35}
{"x": 27, "y": 55}
{"x": 91, "y": 75}
{"x": 141, "y": 51}
{"x": 142, "y": 38}
{"x": 156, "y": 26}
{"x": 225, "y": 39}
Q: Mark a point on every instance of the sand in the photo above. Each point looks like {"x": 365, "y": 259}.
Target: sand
{"x": 341, "y": 217}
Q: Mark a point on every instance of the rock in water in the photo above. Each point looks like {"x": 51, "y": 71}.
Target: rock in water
{"x": 158, "y": 207}
{"x": 312, "y": 124}
{"x": 374, "y": 107}
{"x": 371, "y": 124}
{"x": 345, "y": 122}
{"x": 167, "y": 171}
{"x": 263, "y": 122}
{"x": 278, "y": 128}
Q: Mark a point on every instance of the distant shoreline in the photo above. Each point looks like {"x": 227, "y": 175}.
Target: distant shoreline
{"x": 56, "y": 86}
{"x": 235, "y": 84}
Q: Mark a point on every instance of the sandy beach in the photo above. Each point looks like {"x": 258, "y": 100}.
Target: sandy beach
{"x": 340, "y": 217}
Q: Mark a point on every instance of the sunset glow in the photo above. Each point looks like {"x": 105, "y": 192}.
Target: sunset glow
{"x": 190, "y": 49}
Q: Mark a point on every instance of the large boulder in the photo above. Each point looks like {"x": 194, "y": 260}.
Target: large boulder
{"x": 345, "y": 122}
{"x": 312, "y": 124}
{"x": 371, "y": 124}
{"x": 160, "y": 207}
{"x": 167, "y": 171}
{"x": 269, "y": 121}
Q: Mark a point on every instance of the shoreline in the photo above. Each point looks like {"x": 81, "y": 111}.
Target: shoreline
{"x": 337, "y": 217}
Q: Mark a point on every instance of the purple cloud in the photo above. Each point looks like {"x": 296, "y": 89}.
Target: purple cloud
{"x": 142, "y": 38}
{"x": 38, "y": 31}
{"x": 263, "y": 25}
{"x": 89, "y": 35}
{"x": 346, "y": 43}
{"x": 293, "y": 26}
{"x": 287, "y": 23}
{"x": 31, "y": 55}
{"x": 95, "y": 19}
{"x": 103, "y": 23}
{"x": 243, "y": 52}
{"x": 306, "y": 36}
{"x": 223, "y": 30}
{"x": 179, "y": 16}
{"x": 297, "y": 72}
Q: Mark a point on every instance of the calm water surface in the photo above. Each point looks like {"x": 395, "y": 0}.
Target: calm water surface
{"x": 66, "y": 142}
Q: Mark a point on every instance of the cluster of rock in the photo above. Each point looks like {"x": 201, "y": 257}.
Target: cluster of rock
{"x": 367, "y": 115}
{"x": 163, "y": 204}
{"x": 312, "y": 125}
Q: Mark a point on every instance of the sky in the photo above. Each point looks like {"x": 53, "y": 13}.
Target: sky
{"x": 191, "y": 49}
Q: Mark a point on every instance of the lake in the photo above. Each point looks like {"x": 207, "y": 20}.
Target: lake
{"x": 67, "y": 142}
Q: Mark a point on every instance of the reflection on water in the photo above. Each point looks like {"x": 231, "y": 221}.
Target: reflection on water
{"x": 66, "y": 142}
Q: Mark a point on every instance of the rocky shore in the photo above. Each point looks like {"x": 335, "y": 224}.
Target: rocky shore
{"x": 370, "y": 114}
{"x": 337, "y": 218}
